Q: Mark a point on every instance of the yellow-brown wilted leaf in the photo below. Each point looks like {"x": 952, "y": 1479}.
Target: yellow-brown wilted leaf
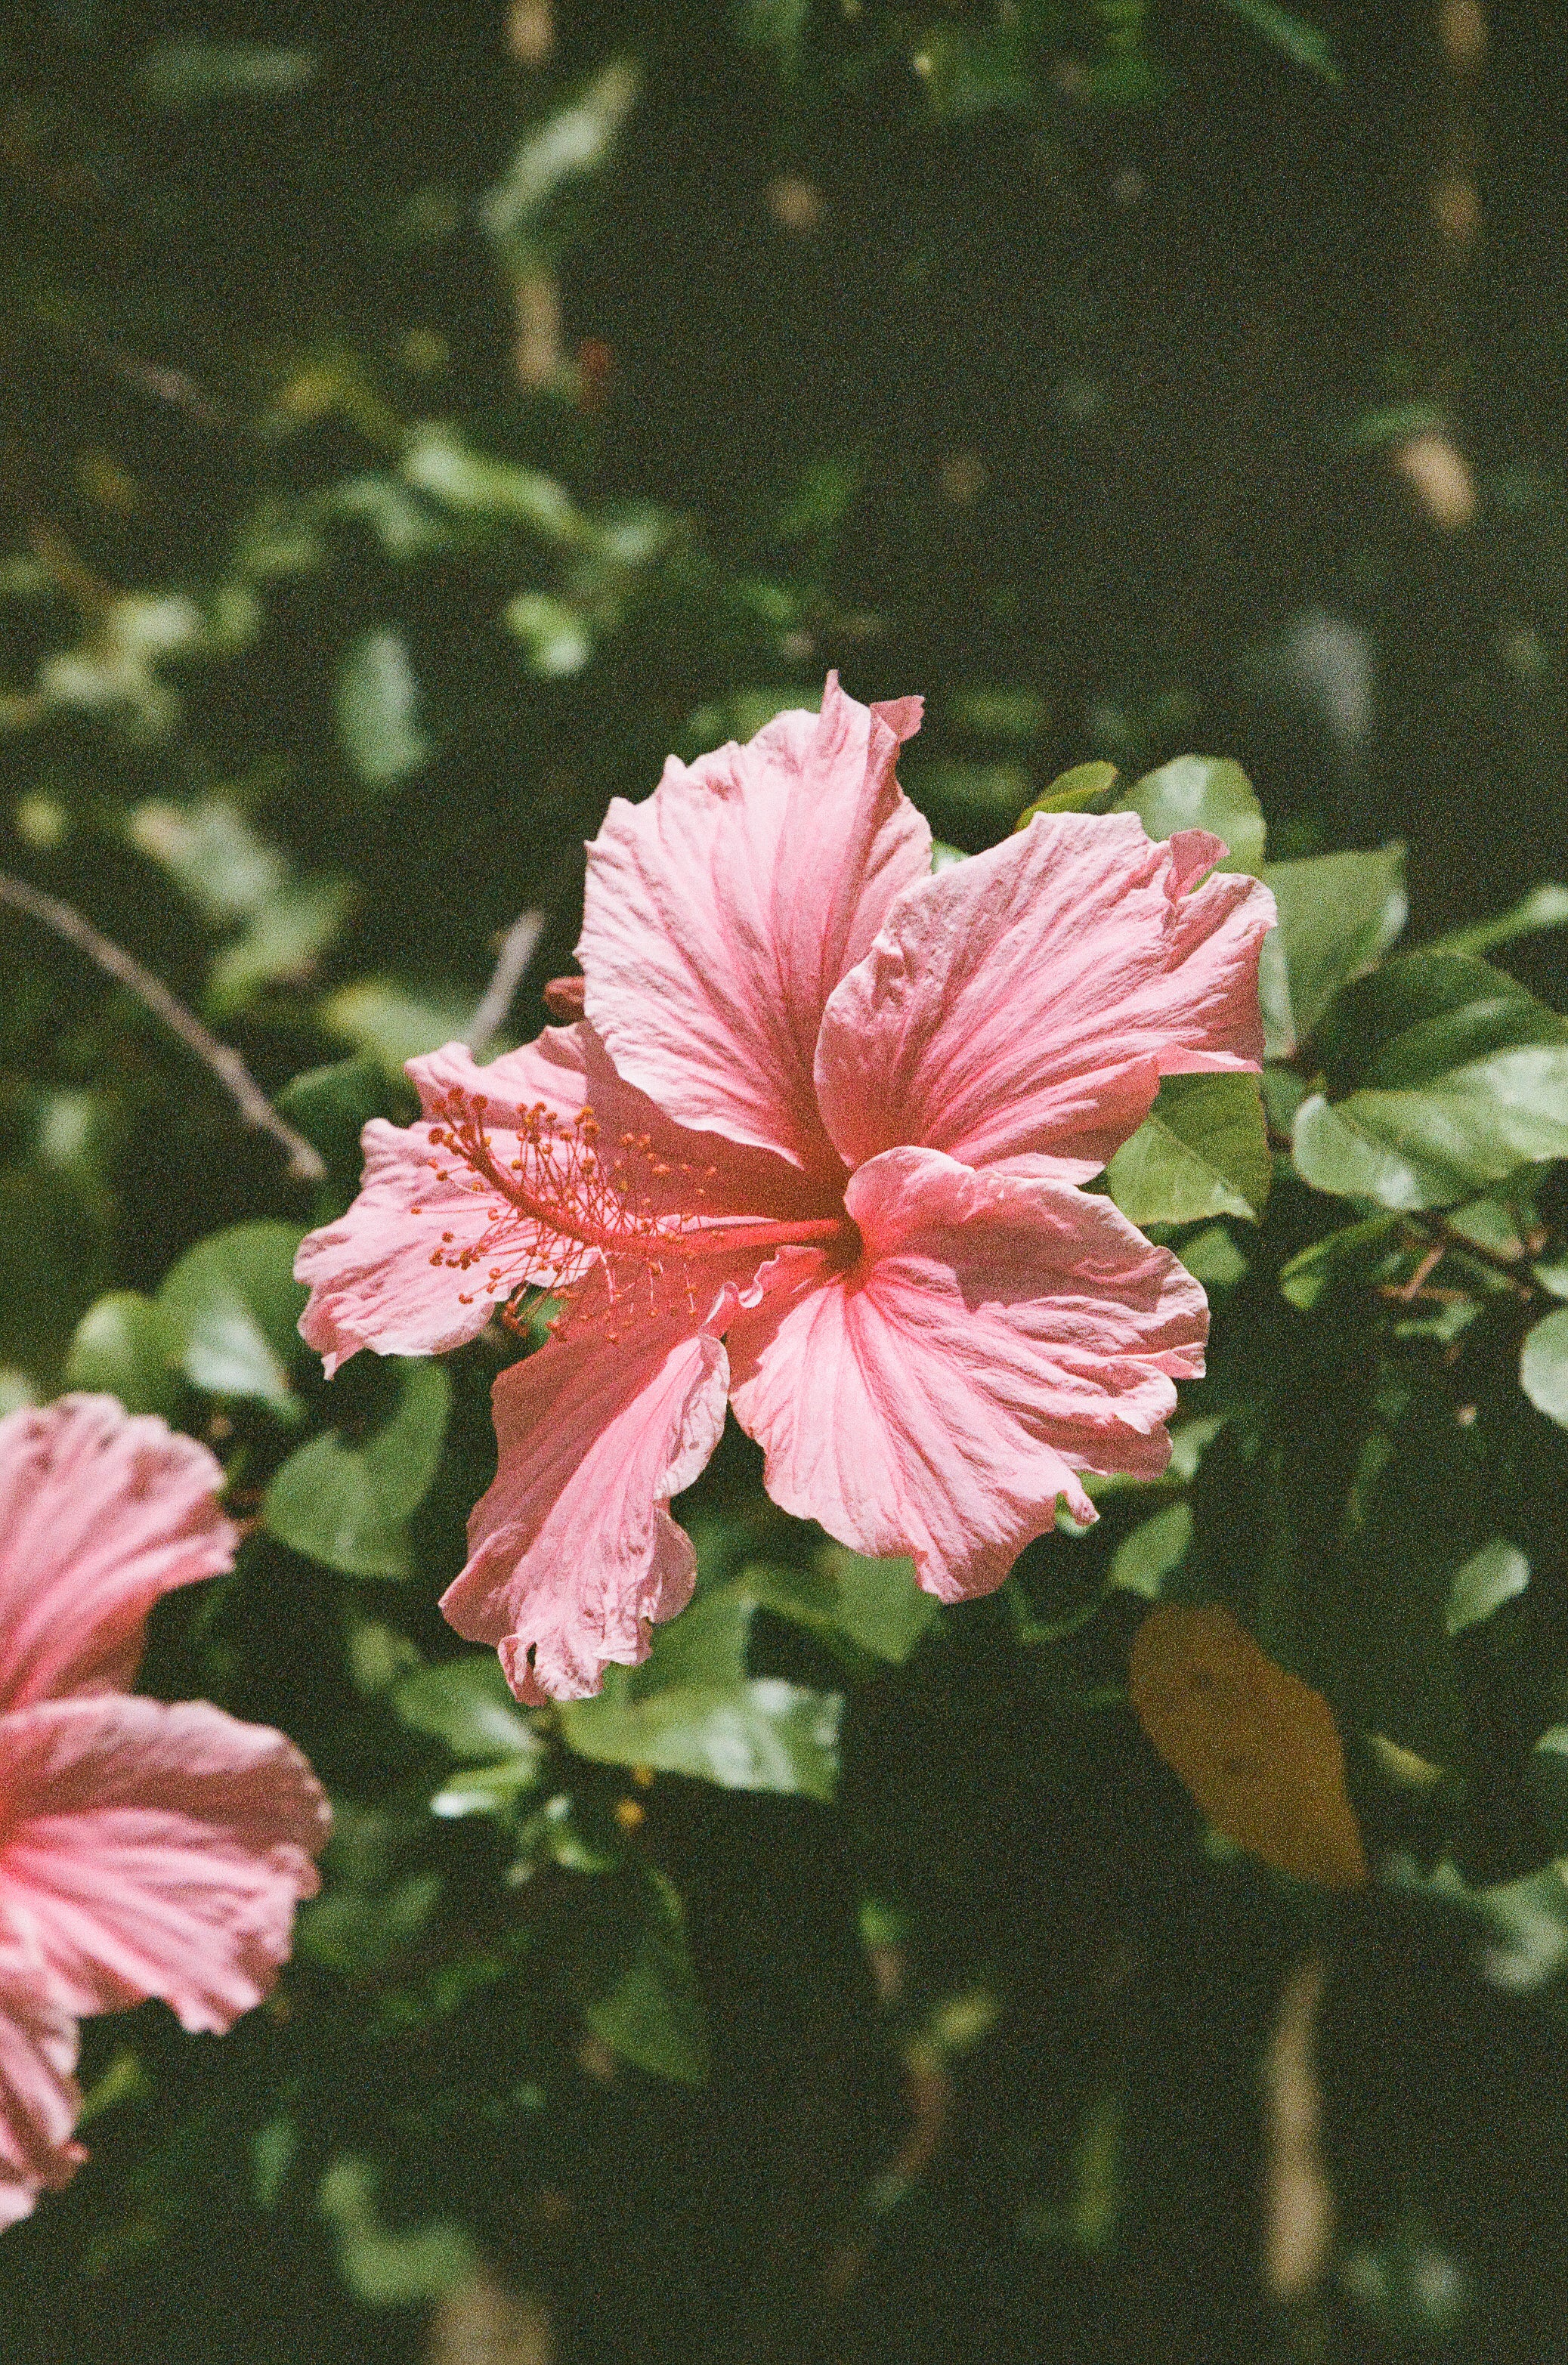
{"x": 1257, "y": 1747}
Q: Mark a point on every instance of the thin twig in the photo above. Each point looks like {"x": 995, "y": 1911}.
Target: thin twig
{"x": 518, "y": 948}
{"x": 304, "y": 1160}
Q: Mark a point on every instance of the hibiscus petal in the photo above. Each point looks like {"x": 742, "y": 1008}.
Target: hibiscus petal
{"x": 573, "y": 1553}
{"x": 390, "y": 1272}
{"x": 1029, "y": 1000}
{"x": 157, "y": 1850}
{"x": 100, "y": 1512}
{"x": 999, "y": 1333}
{"x": 721, "y": 912}
{"x": 39, "y": 2096}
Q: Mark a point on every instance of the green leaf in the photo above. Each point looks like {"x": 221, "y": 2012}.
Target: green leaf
{"x": 1345, "y": 1255}
{"x": 1203, "y": 792}
{"x": 1545, "y": 906}
{"x": 652, "y": 2015}
{"x": 1546, "y": 1778}
{"x": 346, "y": 1503}
{"x": 174, "y": 75}
{"x": 553, "y": 159}
{"x": 1303, "y": 43}
{"x": 280, "y": 944}
{"x": 132, "y": 1348}
{"x": 1543, "y": 1366}
{"x": 555, "y": 637}
{"x": 1339, "y": 915}
{"x": 394, "y": 1024}
{"x": 691, "y": 1709}
{"x": 333, "y": 1106}
{"x": 235, "y": 1297}
{"x": 1146, "y": 1560}
{"x": 1444, "y": 1142}
{"x": 439, "y": 462}
{"x": 377, "y": 709}
{"x": 1418, "y": 1016}
{"x": 1202, "y": 1151}
{"x": 1087, "y": 788}
{"x": 384, "y": 2269}
{"x": 1488, "y": 1578}
{"x": 879, "y": 1604}
{"x": 467, "y": 1704}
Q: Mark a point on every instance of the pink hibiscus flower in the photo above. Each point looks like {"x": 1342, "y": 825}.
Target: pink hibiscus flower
{"x": 814, "y": 1148}
{"x": 145, "y": 1850}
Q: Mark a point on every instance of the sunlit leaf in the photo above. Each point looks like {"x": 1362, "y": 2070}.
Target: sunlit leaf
{"x": 235, "y": 1298}
{"x": 1338, "y": 916}
{"x": 1257, "y": 1748}
{"x": 1203, "y": 792}
{"x": 691, "y": 1709}
{"x": 1496, "y": 1574}
{"x": 1087, "y": 788}
{"x": 467, "y": 1704}
{"x": 1543, "y": 1366}
{"x": 382, "y": 2268}
{"x": 1202, "y": 1151}
{"x": 1146, "y": 1560}
{"x": 345, "y": 1501}
{"x": 378, "y": 702}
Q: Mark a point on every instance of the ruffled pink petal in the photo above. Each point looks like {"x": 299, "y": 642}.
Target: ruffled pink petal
{"x": 100, "y": 1512}
{"x": 1028, "y": 1001}
{"x": 1000, "y": 1334}
{"x": 573, "y": 1553}
{"x": 157, "y": 1850}
{"x": 721, "y": 912}
{"x": 389, "y": 1274}
{"x": 39, "y": 2096}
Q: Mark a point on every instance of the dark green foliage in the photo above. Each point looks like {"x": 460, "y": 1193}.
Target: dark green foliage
{"x": 410, "y": 432}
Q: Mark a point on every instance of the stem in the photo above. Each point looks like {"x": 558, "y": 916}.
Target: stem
{"x": 304, "y": 1160}
{"x": 518, "y": 948}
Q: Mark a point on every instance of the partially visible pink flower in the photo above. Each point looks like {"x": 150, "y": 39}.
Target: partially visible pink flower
{"x": 834, "y": 1109}
{"x": 145, "y": 1850}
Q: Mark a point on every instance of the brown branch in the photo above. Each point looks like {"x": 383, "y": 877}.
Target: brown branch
{"x": 305, "y": 1160}
{"x": 518, "y": 948}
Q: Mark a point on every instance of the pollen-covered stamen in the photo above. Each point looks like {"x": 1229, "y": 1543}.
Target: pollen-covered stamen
{"x": 560, "y": 1202}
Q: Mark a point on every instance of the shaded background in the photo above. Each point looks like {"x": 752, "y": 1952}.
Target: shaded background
{"x": 413, "y": 422}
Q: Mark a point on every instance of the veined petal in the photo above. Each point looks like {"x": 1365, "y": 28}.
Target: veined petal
{"x": 418, "y": 1263}
{"x": 100, "y": 1512}
{"x": 721, "y": 912}
{"x": 1029, "y": 1000}
{"x": 1000, "y": 1334}
{"x": 573, "y": 1553}
{"x": 38, "y": 2097}
{"x": 157, "y": 1850}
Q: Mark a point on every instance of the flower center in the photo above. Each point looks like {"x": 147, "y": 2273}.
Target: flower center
{"x": 562, "y": 1202}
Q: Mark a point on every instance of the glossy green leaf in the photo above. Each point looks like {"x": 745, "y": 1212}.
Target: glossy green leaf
{"x": 1443, "y": 1142}
{"x": 1545, "y": 906}
{"x": 691, "y": 1709}
{"x": 378, "y": 702}
{"x": 554, "y": 637}
{"x": 1203, "y": 792}
{"x": 467, "y": 1703}
{"x": 439, "y": 462}
{"x": 1087, "y": 788}
{"x": 652, "y": 2015}
{"x": 393, "y": 1022}
{"x": 1202, "y": 1151}
{"x": 132, "y": 1348}
{"x": 1418, "y": 1016}
{"x": 345, "y": 1502}
{"x": 1338, "y": 916}
{"x": 1345, "y": 1255}
{"x": 1543, "y": 1366}
{"x": 235, "y": 1297}
{"x": 1496, "y": 1574}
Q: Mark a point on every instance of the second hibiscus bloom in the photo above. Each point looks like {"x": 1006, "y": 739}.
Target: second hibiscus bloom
{"x": 815, "y": 1149}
